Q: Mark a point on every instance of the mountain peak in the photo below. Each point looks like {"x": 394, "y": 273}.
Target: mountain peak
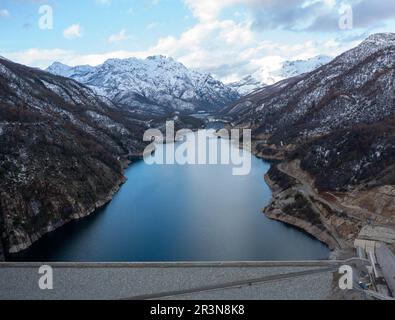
{"x": 288, "y": 69}
{"x": 59, "y": 69}
{"x": 133, "y": 60}
{"x": 157, "y": 83}
{"x": 57, "y": 64}
{"x": 160, "y": 58}
{"x": 380, "y": 38}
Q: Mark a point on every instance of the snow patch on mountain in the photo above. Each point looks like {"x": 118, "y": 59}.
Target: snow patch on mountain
{"x": 247, "y": 85}
{"x": 288, "y": 69}
{"x": 353, "y": 89}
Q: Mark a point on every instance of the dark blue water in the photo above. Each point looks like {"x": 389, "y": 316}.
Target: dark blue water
{"x": 181, "y": 213}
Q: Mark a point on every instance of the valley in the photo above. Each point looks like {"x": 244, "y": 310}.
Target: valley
{"x": 68, "y": 135}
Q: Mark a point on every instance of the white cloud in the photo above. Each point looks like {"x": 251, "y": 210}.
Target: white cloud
{"x": 229, "y": 49}
{"x": 118, "y": 37}
{"x": 4, "y": 13}
{"x": 72, "y": 32}
{"x": 234, "y": 33}
{"x": 211, "y": 53}
{"x": 152, "y": 25}
{"x": 104, "y": 2}
{"x": 208, "y": 10}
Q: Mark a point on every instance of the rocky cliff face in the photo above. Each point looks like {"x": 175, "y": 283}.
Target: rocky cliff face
{"x": 62, "y": 151}
{"x": 156, "y": 84}
{"x": 332, "y": 132}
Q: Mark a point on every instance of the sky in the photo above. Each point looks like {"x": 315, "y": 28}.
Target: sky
{"x": 227, "y": 38}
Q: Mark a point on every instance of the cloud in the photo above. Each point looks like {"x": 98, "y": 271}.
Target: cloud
{"x": 233, "y": 47}
{"x": 320, "y": 15}
{"x": 42, "y": 58}
{"x": 72, "y": 32}
{"x": 212, "y": 53}
{"x": 298, "y": 15}
{"x": 104, "y": 2}
{"x": 371, "y": 12}
{"x": 206, "y": 10}
{"x": 227, "y": 48}
{"x": 4, "y": 13}
{"x": 119, "y": 37}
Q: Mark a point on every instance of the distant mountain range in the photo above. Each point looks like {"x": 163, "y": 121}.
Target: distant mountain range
{"x": 288, "y": 69}
{"x": 157, "y": 84}
{"x": 161, "y": 85}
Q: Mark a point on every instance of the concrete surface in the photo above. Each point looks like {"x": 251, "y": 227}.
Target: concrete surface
{"x": 277, "y": 280}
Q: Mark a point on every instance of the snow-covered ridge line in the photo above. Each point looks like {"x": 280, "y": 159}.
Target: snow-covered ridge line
{"x": 157, "y": 83}
{"x": 354, "y": 88}
{"x": 288, "y": 69}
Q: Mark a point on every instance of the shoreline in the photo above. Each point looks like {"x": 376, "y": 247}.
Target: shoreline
{"x": 298, "y": 223}
{"x": 278, "y": 194}
{"x": 336, "y": 219}
{"x": 129, "y": 160}
{"x": 275, "y": 158}
{"x": 16, "y": 249}
{"x": 302, "y": 225}
{"x": 99, "y": 204}
{"x": 126, "y": 161}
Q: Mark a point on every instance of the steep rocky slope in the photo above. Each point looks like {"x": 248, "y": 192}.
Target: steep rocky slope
{"x": 346, "y": 181}
{"x": 332, "y": 134}
{"x": 157, "y": 84}
{"x": 351, "y": 157}
{"x": 355, "y": 88}
{"x": 62, "y": 152}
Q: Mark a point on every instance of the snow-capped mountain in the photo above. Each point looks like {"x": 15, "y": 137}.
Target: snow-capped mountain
{"x": 157, "y": 84}
{"x": 247, "y": 85}
{"x": 288, "y": 69}
{"x": 63, "y": 70}
{"x": 297, "y": 67}
{"x": 355, "y": 88}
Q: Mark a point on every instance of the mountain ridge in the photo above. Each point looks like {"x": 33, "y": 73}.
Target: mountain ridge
{"x": 158, "y": 83}
{"x": 313, "y": 104}
{"x": 288, "y": 69}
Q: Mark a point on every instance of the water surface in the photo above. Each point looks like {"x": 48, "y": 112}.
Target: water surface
{"x": 181, "y": 213}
